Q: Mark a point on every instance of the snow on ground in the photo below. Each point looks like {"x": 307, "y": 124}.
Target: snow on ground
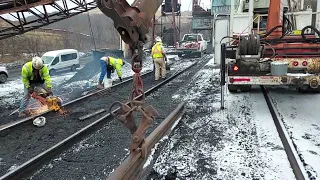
{"x": 126, "y": 72}
{"x": 300, "y": 113}
{"x": 237, "y": 143}
{"x": 15, "y": 64}
{"x": 12, "y": 91}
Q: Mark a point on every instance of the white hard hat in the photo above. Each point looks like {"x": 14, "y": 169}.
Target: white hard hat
{"x": 37, "y": 62}
{"x": 39, "y": 121}
{"x": 158, "y": 39}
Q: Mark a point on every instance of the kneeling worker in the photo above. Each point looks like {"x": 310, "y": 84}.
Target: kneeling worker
{"x": 108, "y": 65}
{"x": 34, "y": 73}
{"x": 159, "y": 58}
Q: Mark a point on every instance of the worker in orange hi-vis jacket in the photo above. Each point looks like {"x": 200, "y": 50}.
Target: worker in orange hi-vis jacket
{"x": 159, "y": 58}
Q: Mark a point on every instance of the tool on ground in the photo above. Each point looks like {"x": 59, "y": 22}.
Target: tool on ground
{"x": 39, "y": 121}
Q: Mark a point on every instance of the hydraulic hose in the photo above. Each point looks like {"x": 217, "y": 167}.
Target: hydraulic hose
{"x": 271, "y": 30}
{"x": 311, "y": 27}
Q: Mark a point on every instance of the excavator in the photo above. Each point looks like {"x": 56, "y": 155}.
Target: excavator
{"x": 279, "y": 56}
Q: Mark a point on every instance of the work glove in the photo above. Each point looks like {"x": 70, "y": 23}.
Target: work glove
{"x": 30, "y": 90}
{"x": 120, "y": 79}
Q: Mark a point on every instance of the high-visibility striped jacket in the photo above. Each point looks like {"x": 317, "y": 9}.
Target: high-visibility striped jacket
{"x": 157, "y": 51}
{"x": 27, "y": 75}
{"x": 115, "y": 63}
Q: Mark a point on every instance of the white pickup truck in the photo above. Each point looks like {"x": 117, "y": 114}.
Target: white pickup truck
{"x": 192, "y": 44}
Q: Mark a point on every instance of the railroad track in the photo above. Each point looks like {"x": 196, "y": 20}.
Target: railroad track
{"x": 39, "y": 159}
{"x": 289, "y": 147}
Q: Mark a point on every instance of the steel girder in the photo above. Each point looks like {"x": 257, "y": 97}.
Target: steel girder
{"x": 16, "y": 22}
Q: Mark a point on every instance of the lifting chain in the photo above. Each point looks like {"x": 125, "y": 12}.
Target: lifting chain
{"x": 125, "y": 112}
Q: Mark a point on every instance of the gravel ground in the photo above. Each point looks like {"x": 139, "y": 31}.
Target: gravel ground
{"x": 239, "y": 142}
{"x": 26, "y": 141}
{"x": 300, "y": 114}
{"x": 96, "y": 156}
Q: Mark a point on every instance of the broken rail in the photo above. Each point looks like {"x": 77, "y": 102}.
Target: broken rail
{"x": 132, "y": 166}
{"x": 292, "y": 155}
{"x": 29, "y": 167}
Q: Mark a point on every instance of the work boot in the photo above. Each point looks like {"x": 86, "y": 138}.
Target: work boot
{"x": 100, "y": 85}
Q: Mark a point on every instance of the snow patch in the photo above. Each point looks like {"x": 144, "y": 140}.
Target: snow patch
{"x": 215, "y": 144}
{"x": 153, "y": 150}
{"x": 12, "y": 91}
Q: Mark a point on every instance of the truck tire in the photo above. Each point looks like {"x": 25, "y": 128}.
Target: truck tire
{"x": 52, "y": 72}
{"x": 73, "y": 68}
{"x": 242, "y": 88}
{"x": 3, "y": 78}
{"x": 199, "y": 54}
{"x": 308, "y": 90}
{"x": 232, "y": 88}
{"x": 245, "y": 88}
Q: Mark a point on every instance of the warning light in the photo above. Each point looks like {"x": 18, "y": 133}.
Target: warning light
{"x": 235, "y": 68}
{"x": 304, "y": 63}
{"x": 295, "y": 63}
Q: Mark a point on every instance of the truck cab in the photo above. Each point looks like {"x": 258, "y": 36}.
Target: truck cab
{"x": 192, "y": 44}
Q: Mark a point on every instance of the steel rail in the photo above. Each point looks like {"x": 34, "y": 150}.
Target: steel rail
{"x": 293, "y": 157}
{"x": 131, "y": 167}
{"x": 31, "y": 166}
{"x": 8, "y": 126}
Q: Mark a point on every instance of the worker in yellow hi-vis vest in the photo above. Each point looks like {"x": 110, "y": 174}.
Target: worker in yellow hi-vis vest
{"x": 159, "y": 58}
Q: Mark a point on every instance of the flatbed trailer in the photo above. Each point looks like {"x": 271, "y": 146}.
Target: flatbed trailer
{"x": 278, "y": 57}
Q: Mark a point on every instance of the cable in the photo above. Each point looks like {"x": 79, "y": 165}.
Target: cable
{"x": 273, "y": 50}
{"x": 286, "y": 28}
{"x": 313, "y": 28}
{"x": 227, "y": 37}
{"x": 271, "y": 30}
